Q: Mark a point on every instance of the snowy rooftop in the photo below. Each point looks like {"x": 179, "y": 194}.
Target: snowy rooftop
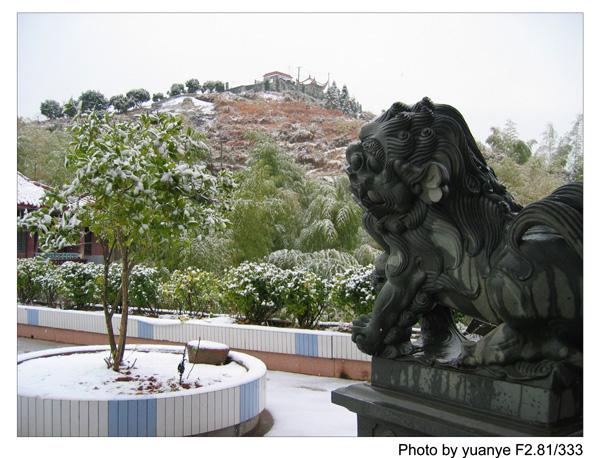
{"x": 280, "y": 74}
{"x": 29, "y": 192}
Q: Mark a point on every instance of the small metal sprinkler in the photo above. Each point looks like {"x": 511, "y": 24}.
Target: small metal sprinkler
{"x": 181, "y": 366}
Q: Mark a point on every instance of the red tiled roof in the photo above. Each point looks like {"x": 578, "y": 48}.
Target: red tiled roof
{"x": 266, "y": 75}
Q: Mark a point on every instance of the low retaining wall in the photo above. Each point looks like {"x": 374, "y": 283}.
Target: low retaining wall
{"x": 324, "y": 353}
{"x": 232, "y": 409}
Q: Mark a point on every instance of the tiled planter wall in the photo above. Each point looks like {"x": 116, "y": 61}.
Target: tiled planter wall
{"x": 170, "y": 414}
{"x": 318, "y": 344}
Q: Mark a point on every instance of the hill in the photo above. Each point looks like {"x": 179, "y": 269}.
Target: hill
{"x": 313, "y": 135}
{"x": 302, "y": 126}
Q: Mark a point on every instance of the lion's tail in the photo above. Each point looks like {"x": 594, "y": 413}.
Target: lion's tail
{"x": 561, "y": 211}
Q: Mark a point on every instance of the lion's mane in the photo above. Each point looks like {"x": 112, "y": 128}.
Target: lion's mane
{"x": 428, "y": 133}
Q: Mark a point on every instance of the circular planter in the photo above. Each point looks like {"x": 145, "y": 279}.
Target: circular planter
{"x": 228, "y": 407}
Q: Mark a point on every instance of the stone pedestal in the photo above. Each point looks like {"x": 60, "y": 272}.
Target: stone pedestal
{"x": 409, "y": 398}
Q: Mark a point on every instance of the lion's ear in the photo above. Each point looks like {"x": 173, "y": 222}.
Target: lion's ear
{"x": 433, "y": 184}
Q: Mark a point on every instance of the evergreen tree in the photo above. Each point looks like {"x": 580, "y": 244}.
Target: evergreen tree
{"x": 176, "y": 89}
{"x": 142, "y": 192}
{"x": 510, "y": 131}
{"x": 344, "y": 103}
{"x": 209, "y": 86}
{"x": 93, "y": 100}
{"x": 548, "y": 143}
{"x": 332, "y": 97}
{"x": 219, "y": 86}
{"x": 574, "y": 163}
{"x": 157, "y": 97}
{"x": 138, "y": 96}
{"x": 506, "y": 143}
{"x": 193, "y": 85}
{"x": 121, "y": 103}
{"x": 51, "y": 109}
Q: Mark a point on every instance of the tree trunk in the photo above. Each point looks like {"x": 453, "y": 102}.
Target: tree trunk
{"x": 107, "y": 255}
{"x": 124, "y": 309}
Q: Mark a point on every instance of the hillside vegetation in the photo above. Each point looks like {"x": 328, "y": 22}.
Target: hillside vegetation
{"x": 287, "y": 154}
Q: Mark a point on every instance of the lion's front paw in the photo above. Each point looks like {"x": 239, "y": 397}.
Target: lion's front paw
{"x": 366, "y": 339}
{"x": 400, "y": 349}
{"x": 501, "y": 346}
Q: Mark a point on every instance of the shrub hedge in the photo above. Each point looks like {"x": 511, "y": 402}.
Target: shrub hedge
{"x": 254, "y": 291}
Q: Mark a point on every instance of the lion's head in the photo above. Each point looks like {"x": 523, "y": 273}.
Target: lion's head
{"x": 425, "y": 155}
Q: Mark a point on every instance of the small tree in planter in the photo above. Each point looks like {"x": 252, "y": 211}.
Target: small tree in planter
{"x": 137, "y": 184}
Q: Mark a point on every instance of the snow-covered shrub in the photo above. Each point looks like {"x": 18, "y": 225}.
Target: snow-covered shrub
{"x": 287, "y": 259}
{"x": 353, "y": 292}
{"x": 80, "y": 284}
{"x": 304, "y": 295}
{"x": 193, "y": 291}
{"x": 328, "y": 263}
{"x": 324, "y": 263}
{"x": 50, "y": 282}
{"x": 253, "y": 290}
{"x": 144, "y": 285}
{"x": 28, "y": 272}
{"x": 39, "y": 279}
{"x": 366, "y": 254}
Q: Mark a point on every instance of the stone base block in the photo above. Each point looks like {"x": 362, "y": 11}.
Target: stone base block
{"x": 407, "y": 398}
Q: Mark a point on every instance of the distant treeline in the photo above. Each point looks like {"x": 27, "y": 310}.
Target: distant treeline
{"x": 95, "y": 100}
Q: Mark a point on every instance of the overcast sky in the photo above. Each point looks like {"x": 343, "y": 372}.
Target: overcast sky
{"x": 492, "y": 67}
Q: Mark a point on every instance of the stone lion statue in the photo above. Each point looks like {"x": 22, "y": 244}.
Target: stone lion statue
{"x": 454, "y": 238}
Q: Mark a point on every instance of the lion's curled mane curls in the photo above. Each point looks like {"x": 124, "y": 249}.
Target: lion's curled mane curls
{"x": 454, "y": 238}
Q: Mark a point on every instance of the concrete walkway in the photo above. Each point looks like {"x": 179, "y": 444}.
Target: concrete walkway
{"x": 297, "y": 404}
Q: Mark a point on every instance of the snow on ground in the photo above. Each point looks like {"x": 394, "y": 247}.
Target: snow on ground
{"x": 301, "y": 406}
{"x": 229, "y": 96}
{"x": 219, "y": 320}
{"x": 85, "y": 375}
{"x": 270, "y": 95}
{"x": 26, "y": 345}
{"x": 175, "y": 102}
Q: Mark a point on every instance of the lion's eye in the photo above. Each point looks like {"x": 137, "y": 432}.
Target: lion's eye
{"x": 375, "y": 165}
{"x": 356, "y": 161}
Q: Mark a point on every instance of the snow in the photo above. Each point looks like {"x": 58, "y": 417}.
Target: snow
{"x": 175, "y": 102}
{"x": 270, "y": 95}
{"x": 29, "y": 192}
{"x": 207, "y": 345}
{"x": 301, "y": 406}
{"x": 225, "y": 319}
{"x": 229, "y": 96}
{"x": 83, "y": 376}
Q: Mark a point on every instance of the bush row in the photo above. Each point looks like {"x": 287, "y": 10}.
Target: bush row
{"x": 76, "y": 285}
{"x": 254, "y": 292}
